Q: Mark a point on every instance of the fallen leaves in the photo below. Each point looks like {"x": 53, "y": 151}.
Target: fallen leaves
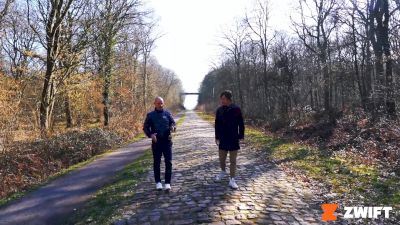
{"x": 26, "y": 164}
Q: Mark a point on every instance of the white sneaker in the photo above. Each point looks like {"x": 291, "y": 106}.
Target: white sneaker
{"x": 159, "y": 186}
{"x": 232, "y": 183}
{"x": 167, "y": 187}
{"x": 220, "y": 175}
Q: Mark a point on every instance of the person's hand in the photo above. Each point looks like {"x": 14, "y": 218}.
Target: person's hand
{"x": 241, "y": 141}
{"x": 217, "y": 142}
{"x": 154, "y": 138}
{"x": 173, "y": 128}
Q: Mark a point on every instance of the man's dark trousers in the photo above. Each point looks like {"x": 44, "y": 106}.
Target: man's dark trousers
{"x": 160, "y": 148}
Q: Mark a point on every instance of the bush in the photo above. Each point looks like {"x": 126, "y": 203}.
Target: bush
{"x": 30, "y": 163}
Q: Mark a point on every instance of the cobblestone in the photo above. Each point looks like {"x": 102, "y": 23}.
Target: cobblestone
{"x": 266, "y": 195}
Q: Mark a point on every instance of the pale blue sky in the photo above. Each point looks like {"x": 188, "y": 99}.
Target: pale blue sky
{"x": 191, "y": 30}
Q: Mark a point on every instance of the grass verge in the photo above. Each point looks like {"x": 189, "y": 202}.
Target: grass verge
{"x": 180, "y": 120}
{"x": 343, "y": 173}
{"x": 107, "y": 200}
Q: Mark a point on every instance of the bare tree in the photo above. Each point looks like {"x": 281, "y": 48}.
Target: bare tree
{"x": 234, "y": 44}
{"x": 55, "y": 24}
{"x": 112, "y": 17}
{"x": 375, "y": 16}
{"x": 5, "y": 6}
{"x": 129, "y": 49}
{"x": 50, "y": 13}
{"x": 146, "y": 39}
{"x": 74, "y": 40}
{"x": 258, "y": 22}
{"x": 360, "y": 17}
{"x": 284, "y": 57}
{"x": 315, "y": 34}
{"x": 18, "y": 43}
{"x": 379, "y": 37}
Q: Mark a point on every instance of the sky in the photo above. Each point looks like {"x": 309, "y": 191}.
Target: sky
{"x": 191, "y": 32}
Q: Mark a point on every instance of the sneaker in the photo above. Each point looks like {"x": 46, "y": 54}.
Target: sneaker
{"x": 167, "y": 187}
{"x": 232, "y": 183}
{"x": 159, "y": 186}
{"x": 220, "y": 175}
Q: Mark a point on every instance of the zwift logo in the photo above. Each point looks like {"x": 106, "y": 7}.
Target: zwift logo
{"x": 366, "y": 212}
{"x": 355, "y": 212}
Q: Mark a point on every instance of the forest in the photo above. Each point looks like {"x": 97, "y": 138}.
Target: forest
{"x": 76, "y": 77}
{"x": 332, "y": 80}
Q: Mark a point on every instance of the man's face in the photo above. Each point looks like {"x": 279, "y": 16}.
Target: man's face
{"x": 159, "y": 104}
{"x": 224, "y": 101}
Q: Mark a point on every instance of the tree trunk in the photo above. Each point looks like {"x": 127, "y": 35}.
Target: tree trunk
{"x": 49, "y": 90}
{"x": 107, "y": 82}
{"x": 238, "y": 77}
{"x": 360, "y": 83}
{"x": 326, "y": 86}
{"x": 68, "y": 113}
{"x": 47, "y": 100}
{"x": 53, "y": 22}
{"x": 265, "y": 79}
{"x": 390, "y": 100}
{"x": 106, "y": 98}
{"x": 145, "y": 83}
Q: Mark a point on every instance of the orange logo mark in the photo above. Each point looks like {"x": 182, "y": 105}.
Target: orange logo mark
{"x": 329, "y": 212}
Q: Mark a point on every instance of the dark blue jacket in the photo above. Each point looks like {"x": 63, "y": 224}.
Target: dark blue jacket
{"x": 229, "y": 127}
{"x": 159, "y": 122}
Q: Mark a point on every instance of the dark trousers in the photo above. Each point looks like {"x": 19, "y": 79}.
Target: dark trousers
{"x": 162, "y": 147}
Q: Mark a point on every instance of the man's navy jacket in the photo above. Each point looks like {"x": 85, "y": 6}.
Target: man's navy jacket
{"x": 159, "y": 122}
{"x": 229, "y": 127}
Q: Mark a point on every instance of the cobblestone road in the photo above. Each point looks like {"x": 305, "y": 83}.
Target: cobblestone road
{"x": 265, "y": 195}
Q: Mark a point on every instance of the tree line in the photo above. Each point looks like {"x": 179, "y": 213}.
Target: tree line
{"x": 341, "y": 56}
{"x": 79, "y": 61}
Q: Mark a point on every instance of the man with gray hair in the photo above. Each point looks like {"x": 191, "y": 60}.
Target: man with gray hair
{"x": 158, "y": 126}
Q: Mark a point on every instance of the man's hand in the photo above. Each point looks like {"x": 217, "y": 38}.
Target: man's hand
{"x": 173, "y": 128}
{"x": 241, "y": 141}
{"x": 154, "y": 138}
{"x": 217, "y": 142}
